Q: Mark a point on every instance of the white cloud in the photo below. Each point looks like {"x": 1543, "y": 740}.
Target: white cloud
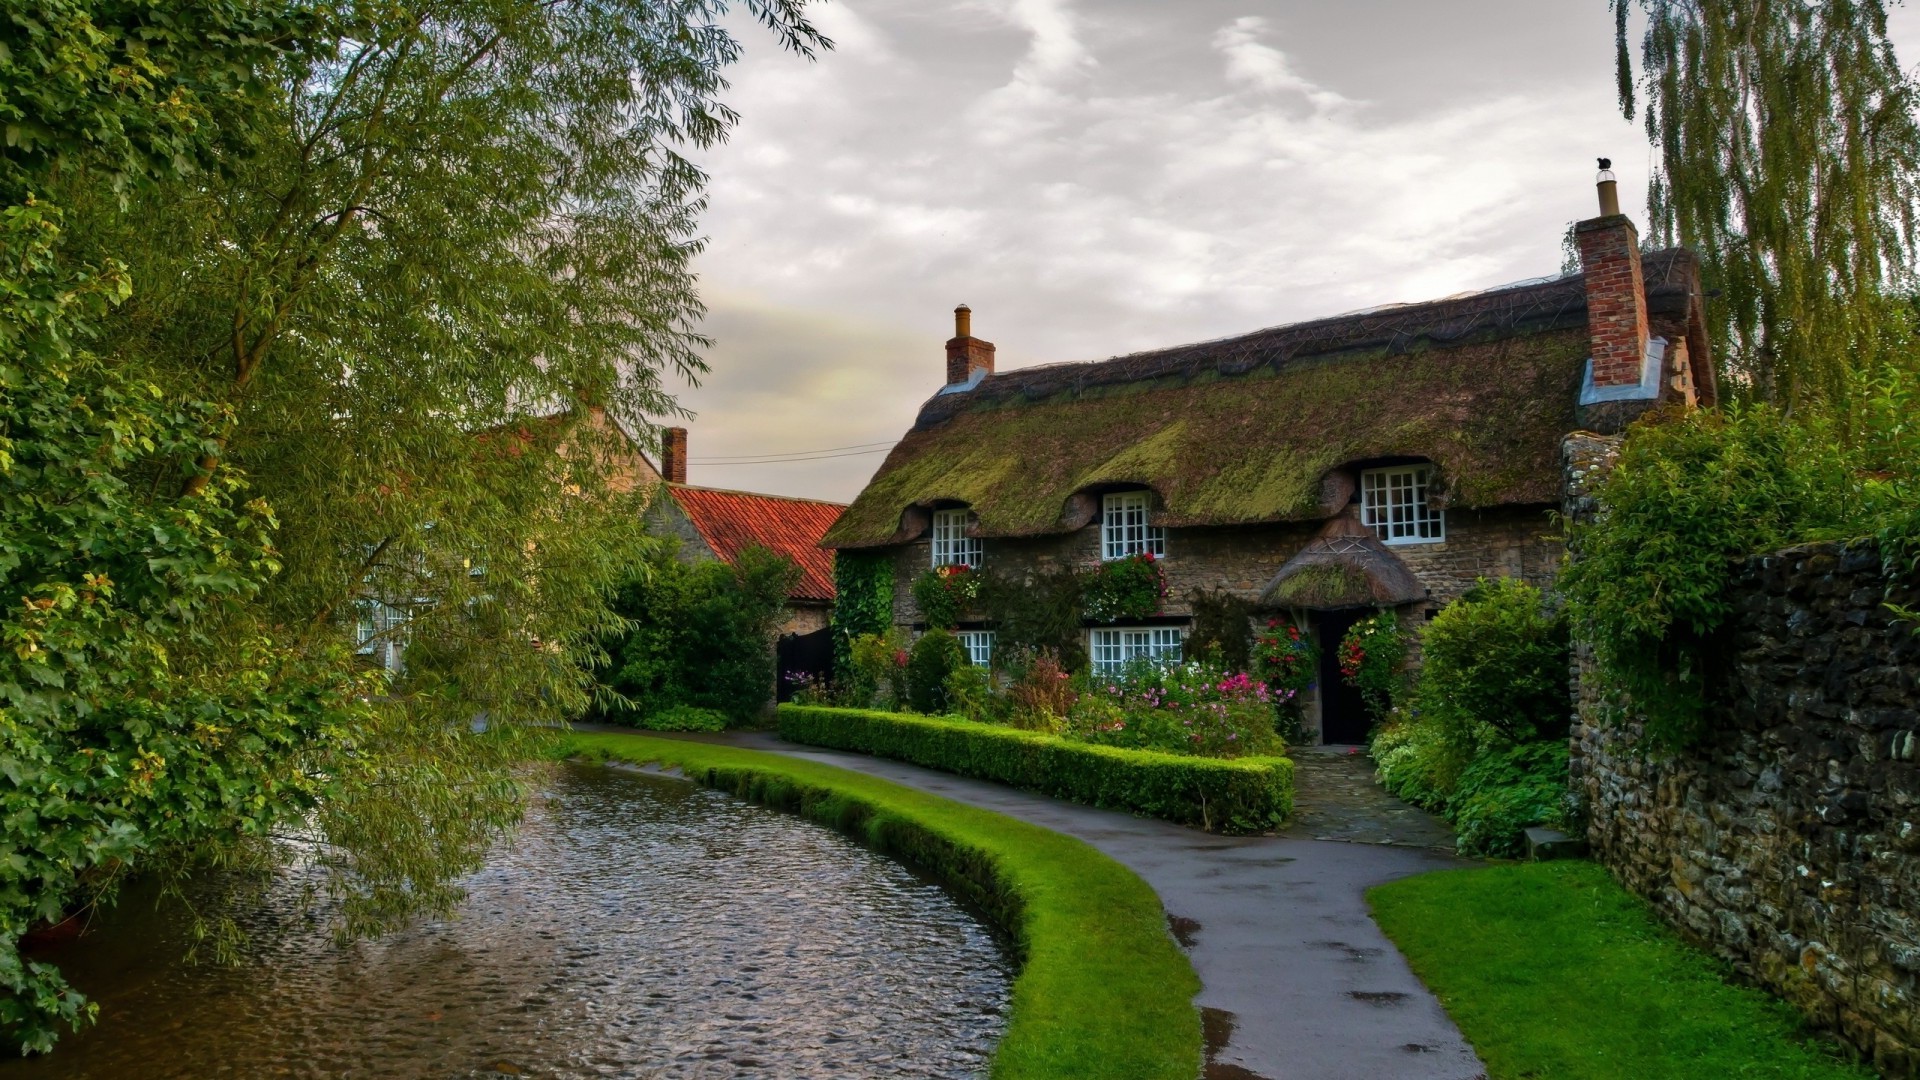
{"x": 1264, "y": 67}
{"x": 1091, "y": 184}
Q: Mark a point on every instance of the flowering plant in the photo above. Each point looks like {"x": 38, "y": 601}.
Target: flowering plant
{"x": 944, "y": 591}
{"x": 1129, "y": 588}
{"x": 1190, "y": 708}
{"x": 1285, "y": 658}
{"x": 1370, "y": 657}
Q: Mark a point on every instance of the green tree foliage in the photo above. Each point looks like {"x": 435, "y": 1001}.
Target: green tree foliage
{"x": 699, "y": 635}
{"x": 1494, "y": 663}
{"x": 312, "y": 265}
{"x": 1790, "y": 160}
{"x": 1687, "y": 496}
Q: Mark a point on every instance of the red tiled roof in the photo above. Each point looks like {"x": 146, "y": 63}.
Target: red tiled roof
{"x": 730, "y": 521}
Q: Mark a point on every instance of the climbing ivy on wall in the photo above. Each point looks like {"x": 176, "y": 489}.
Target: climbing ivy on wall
{"x": 863, "y": 602}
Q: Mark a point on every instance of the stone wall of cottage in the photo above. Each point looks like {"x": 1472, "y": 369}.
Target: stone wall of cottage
{"x": 1503, "y": 542}
{"x": 1788, "y": 841}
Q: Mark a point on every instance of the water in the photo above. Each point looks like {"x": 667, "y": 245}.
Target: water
{"x": 638, "y": 927}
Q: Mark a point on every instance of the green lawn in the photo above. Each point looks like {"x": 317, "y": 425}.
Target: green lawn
{"x": 1103, "y": 990}
{"x": 1553, "y": 970}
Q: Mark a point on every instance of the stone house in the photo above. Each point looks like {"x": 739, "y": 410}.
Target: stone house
{"x": 1321, "y": 470}
{"x": 715, "y": 523}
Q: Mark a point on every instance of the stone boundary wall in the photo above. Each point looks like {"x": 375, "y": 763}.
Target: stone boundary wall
{"x": 1788, "y": 841}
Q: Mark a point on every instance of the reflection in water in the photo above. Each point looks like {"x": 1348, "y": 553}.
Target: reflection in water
{"x": 638, "y": 926}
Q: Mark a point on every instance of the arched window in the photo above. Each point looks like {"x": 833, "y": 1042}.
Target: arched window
{"x": 1124, "y": 531}
{"x": 1393, "y": 503}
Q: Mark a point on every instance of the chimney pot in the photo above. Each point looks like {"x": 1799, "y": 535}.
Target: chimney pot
{"x": 967, "y": 355}
{"x": 1609, "y": 189}
{"x": 673, "y": 455}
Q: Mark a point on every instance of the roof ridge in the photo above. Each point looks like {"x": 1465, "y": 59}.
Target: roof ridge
{"x": 755, "y": 494}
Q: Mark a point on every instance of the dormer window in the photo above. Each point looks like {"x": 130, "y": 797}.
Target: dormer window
{"x": 1393, "y": 503}
{"x": 1124, "y": 530}
{"x": 951, "y": 544}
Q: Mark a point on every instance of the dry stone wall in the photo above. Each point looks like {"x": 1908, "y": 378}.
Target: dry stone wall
{"x": 1788, "y": 841}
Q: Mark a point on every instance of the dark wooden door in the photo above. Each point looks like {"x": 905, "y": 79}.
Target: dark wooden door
{"x": 811, "y": 654}
{"x": 1343, "y": 712}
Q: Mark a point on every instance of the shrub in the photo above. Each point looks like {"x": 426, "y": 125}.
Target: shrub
{"x": 943, "y": 592}
{"x": 699, "y": 634}
{"x": 1040, "y": 691}
{"x": 1240, "y": 796}
{"x": 1371, "y": 655}
{"x": 934, "y": 657}
{"x": 1495, "y": 658}
{"x": 684, "y": 718}
{"x": 1125, "y": 589}
{"x": 970, "y": 692}
{"x": 1503, "y": 791}
{"x": 879, "y": 669}
{"x": 1416, "y": 761}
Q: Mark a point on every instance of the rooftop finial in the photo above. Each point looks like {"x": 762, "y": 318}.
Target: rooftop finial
{"x": 1609, "y": 189}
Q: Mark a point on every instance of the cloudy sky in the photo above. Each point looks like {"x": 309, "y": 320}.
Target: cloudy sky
{"x": 1095, "y": 177}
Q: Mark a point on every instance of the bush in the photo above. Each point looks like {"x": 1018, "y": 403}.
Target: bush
{"x": 934, "y": 657}
{"x": 1496, "y": 658}
{"x": 1242, "y": 796}
{"x": 1503, "y": 791}
{"x": 1040, "y": 691}
{"x": 1688, "y": 495}
{"x": 700, "y": 634}
{"x": 1416, "y": 762}
{"x": 970, "y": 692}
{"x": 878, "y": 664}
{"x": 684, "y": 718}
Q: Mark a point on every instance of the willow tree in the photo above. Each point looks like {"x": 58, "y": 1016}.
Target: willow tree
{"x": 303, "y": 304}
{"x": 1788, "y": 154}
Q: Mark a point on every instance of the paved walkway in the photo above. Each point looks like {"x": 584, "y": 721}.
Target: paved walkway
{"x": 1297, "y": 981}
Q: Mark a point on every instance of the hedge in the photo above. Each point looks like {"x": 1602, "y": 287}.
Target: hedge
{"x": 1238, "y": 795}
{"x": 1103, "y": 992}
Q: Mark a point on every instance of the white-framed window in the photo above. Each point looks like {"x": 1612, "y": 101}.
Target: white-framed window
{"x": 979, "y": 645}
{"x": 1124, "y": 530}
{"x": 1393, "y": 503}
{"x": 1113, "y": 647}
{"x": 951, "y": 544}
{"x": 380, "y": 632}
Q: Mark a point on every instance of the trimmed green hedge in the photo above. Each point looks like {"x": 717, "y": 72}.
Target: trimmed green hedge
{"x": 1239, "y": 795}
{"x": 1103, "y": 992}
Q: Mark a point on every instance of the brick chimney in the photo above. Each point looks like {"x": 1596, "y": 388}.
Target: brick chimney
{"x": 673, "y": 455}
{"x": 1616, "y": 298}
{"x": 968, "y": 358}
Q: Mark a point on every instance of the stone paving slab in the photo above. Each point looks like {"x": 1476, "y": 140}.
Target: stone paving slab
{"x": 1297, "y": 981}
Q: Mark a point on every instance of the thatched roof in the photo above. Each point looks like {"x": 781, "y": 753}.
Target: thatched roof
{"x": 1250, "y": 429}
{"x": 1345, "y": 566}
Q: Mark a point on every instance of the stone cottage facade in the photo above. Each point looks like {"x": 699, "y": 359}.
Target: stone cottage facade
{"x": 1322, "y": 470}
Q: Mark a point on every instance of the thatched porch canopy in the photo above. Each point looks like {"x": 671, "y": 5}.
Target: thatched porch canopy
{"x": 1248, "y": 429}
{"x": 1343, "y": 567}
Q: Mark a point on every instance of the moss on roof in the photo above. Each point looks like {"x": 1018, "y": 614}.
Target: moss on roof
{"x": 1489, "y": 408}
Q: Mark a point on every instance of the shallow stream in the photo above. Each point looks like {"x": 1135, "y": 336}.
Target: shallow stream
{"x": 637, "y": 927}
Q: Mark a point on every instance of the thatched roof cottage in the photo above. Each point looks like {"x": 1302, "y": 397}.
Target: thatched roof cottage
{"x": 1328, "y": 468}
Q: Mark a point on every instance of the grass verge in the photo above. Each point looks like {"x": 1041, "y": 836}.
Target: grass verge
{"x": 1554, "y": 970}
{"x": 1103, "y": 991}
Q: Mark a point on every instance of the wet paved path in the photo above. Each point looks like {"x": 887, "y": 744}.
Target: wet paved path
{"x": 1297, "y": 981}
